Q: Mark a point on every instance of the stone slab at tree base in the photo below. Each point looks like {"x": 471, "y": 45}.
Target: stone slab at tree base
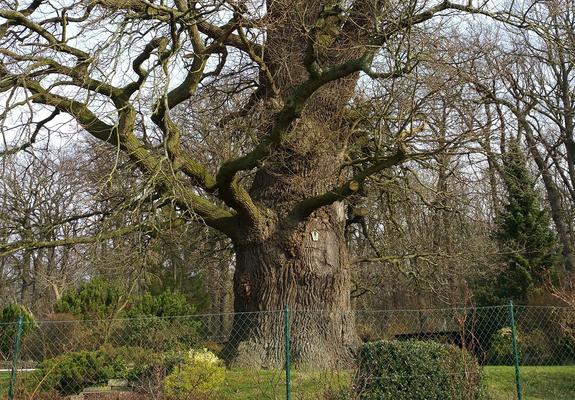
{"x": 117, "y": 389}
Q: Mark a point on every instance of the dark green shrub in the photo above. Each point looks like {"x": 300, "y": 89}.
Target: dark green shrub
{"x": 416, "y": 370}
{"x": 9, "y": 317}
{"x": 136, "y": 362}
{"x": 567, "y": 344}
{"x": 95, "y": 299}
{"x": 537, "y": 348}
{"x": 162, "y": 334}
{"x": 156, "y": 322}
{"x": 72, "y": 372}
{"x": 481, "y": 327}
{"x": 165, "y": 304}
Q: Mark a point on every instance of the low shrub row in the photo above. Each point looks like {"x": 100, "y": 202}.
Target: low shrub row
{"x": 178, "y": 374}
{"x": 72, "y": 372}
{"x": 399, "y": 370}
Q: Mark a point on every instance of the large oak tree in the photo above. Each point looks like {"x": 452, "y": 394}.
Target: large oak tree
{"x": 245, "y": 115}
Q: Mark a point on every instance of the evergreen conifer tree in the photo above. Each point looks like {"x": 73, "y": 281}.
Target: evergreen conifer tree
{"x": 526, "y": 239}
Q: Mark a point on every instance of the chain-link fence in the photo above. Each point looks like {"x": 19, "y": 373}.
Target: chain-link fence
{"x": 494, "y": 353}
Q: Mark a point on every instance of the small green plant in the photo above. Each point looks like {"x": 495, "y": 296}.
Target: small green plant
{"x": 199, "y": 374}
{"x": 416, "y": 370}
{"x": 135, "y": 362}
{"x": 501, "y": 348}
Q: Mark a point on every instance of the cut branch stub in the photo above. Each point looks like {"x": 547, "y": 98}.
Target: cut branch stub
{"x": 353, "y": 185}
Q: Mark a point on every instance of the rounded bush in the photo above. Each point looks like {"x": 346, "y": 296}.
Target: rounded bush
{"x": 134, "y": 362}
{"x": 94, "y": 299}
{"x": 72, "y": 372}
{"x": 537, "y": 348}
{"x": 416, "y": 370}
{"x": 162, "y": 322}
{"x": 200, "y": 373}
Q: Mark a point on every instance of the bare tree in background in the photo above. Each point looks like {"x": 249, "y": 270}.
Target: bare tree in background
{"x": 39, "y": 196}
{"x": 530, "y": 81}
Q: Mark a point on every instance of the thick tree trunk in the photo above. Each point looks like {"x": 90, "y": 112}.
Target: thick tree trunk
{"x": 307, "y": 270}
{"x": 301, "y": 263}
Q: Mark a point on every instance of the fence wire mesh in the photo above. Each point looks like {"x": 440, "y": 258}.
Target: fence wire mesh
{"x": 243, "y": 355}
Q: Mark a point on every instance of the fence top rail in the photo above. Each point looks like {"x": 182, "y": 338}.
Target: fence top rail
{"x": 297, "y": 311}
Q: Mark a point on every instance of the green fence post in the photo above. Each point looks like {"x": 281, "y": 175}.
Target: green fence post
{"x": 15, "y": 359}
{"x": 287, "y": 353}
{"x": 515, "y": 351}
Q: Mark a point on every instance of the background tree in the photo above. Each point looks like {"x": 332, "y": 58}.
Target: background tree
{"x": 528, "y": 245}
{"x": 44, "y": 199}
{"x": 533, "y": 68}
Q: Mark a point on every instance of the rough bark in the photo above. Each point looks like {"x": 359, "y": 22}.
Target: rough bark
{"x": 301, "y": 263}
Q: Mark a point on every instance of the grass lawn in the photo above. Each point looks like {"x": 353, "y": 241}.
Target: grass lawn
{"x": 4, "y": 380}
{"x": 269, "y": 385}
{"x": 539, "y": 383}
